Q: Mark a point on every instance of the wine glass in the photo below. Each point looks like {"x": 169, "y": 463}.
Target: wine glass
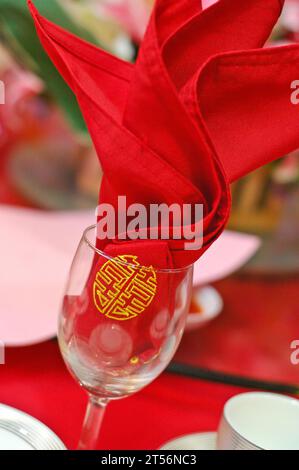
{"x": 119, "y": 327}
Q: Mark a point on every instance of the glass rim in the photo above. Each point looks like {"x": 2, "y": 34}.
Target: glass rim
{"x": 112, "y": 258}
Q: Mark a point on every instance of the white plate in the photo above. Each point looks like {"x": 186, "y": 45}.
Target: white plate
{"x": 19, "y": 431}
{"x": 199, "y": 441}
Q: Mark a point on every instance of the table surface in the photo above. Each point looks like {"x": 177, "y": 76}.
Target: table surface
{"x": 35, "y": 380}
{"x": 253, "y": 335}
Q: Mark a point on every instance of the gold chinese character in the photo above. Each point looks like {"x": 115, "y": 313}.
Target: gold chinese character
{"x": 123, "y": 289}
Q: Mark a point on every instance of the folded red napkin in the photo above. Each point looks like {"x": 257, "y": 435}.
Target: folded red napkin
{"x": 203, "y": 106}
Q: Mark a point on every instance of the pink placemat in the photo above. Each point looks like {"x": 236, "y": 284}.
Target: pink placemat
{"x": 36, "y": 250}
{"x": 228, "y": 254}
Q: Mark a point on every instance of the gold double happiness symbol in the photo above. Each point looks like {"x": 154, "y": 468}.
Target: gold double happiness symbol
{"x": 123, "y": 289}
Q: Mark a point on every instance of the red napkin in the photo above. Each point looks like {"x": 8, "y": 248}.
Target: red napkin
{"x": 202, "y": 107}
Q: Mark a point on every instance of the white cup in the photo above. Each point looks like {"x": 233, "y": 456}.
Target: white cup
{"x": 259, "y": 421}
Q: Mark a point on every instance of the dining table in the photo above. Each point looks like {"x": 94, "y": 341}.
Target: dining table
{"x": 35, "y": 380}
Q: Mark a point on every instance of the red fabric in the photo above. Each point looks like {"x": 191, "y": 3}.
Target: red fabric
{"x": 258, "y": 122}
{"x": 191, "y": 115}
{"x": 147, "y": 334}
{"x": 36, "y": 381}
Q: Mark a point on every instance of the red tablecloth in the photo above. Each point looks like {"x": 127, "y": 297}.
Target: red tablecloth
{"x": 36, "y": 381}
{"x": 253, "y": 335}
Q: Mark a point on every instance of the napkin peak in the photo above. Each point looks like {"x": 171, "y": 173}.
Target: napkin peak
{"x": 203, "y": 105}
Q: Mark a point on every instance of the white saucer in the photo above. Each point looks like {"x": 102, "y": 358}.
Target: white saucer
{"x": 198, "y": 441}
{"x": 211, "y": 304}
{"x": 19, "y": 431}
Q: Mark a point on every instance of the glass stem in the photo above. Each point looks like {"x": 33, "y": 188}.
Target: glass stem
{"x": 92, "y": 423}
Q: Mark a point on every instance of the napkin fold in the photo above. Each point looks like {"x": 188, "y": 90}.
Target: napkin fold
{"x": 202, "y": 106}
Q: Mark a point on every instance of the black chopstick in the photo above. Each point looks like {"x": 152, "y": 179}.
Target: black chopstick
{"x": 228, "y": 379}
